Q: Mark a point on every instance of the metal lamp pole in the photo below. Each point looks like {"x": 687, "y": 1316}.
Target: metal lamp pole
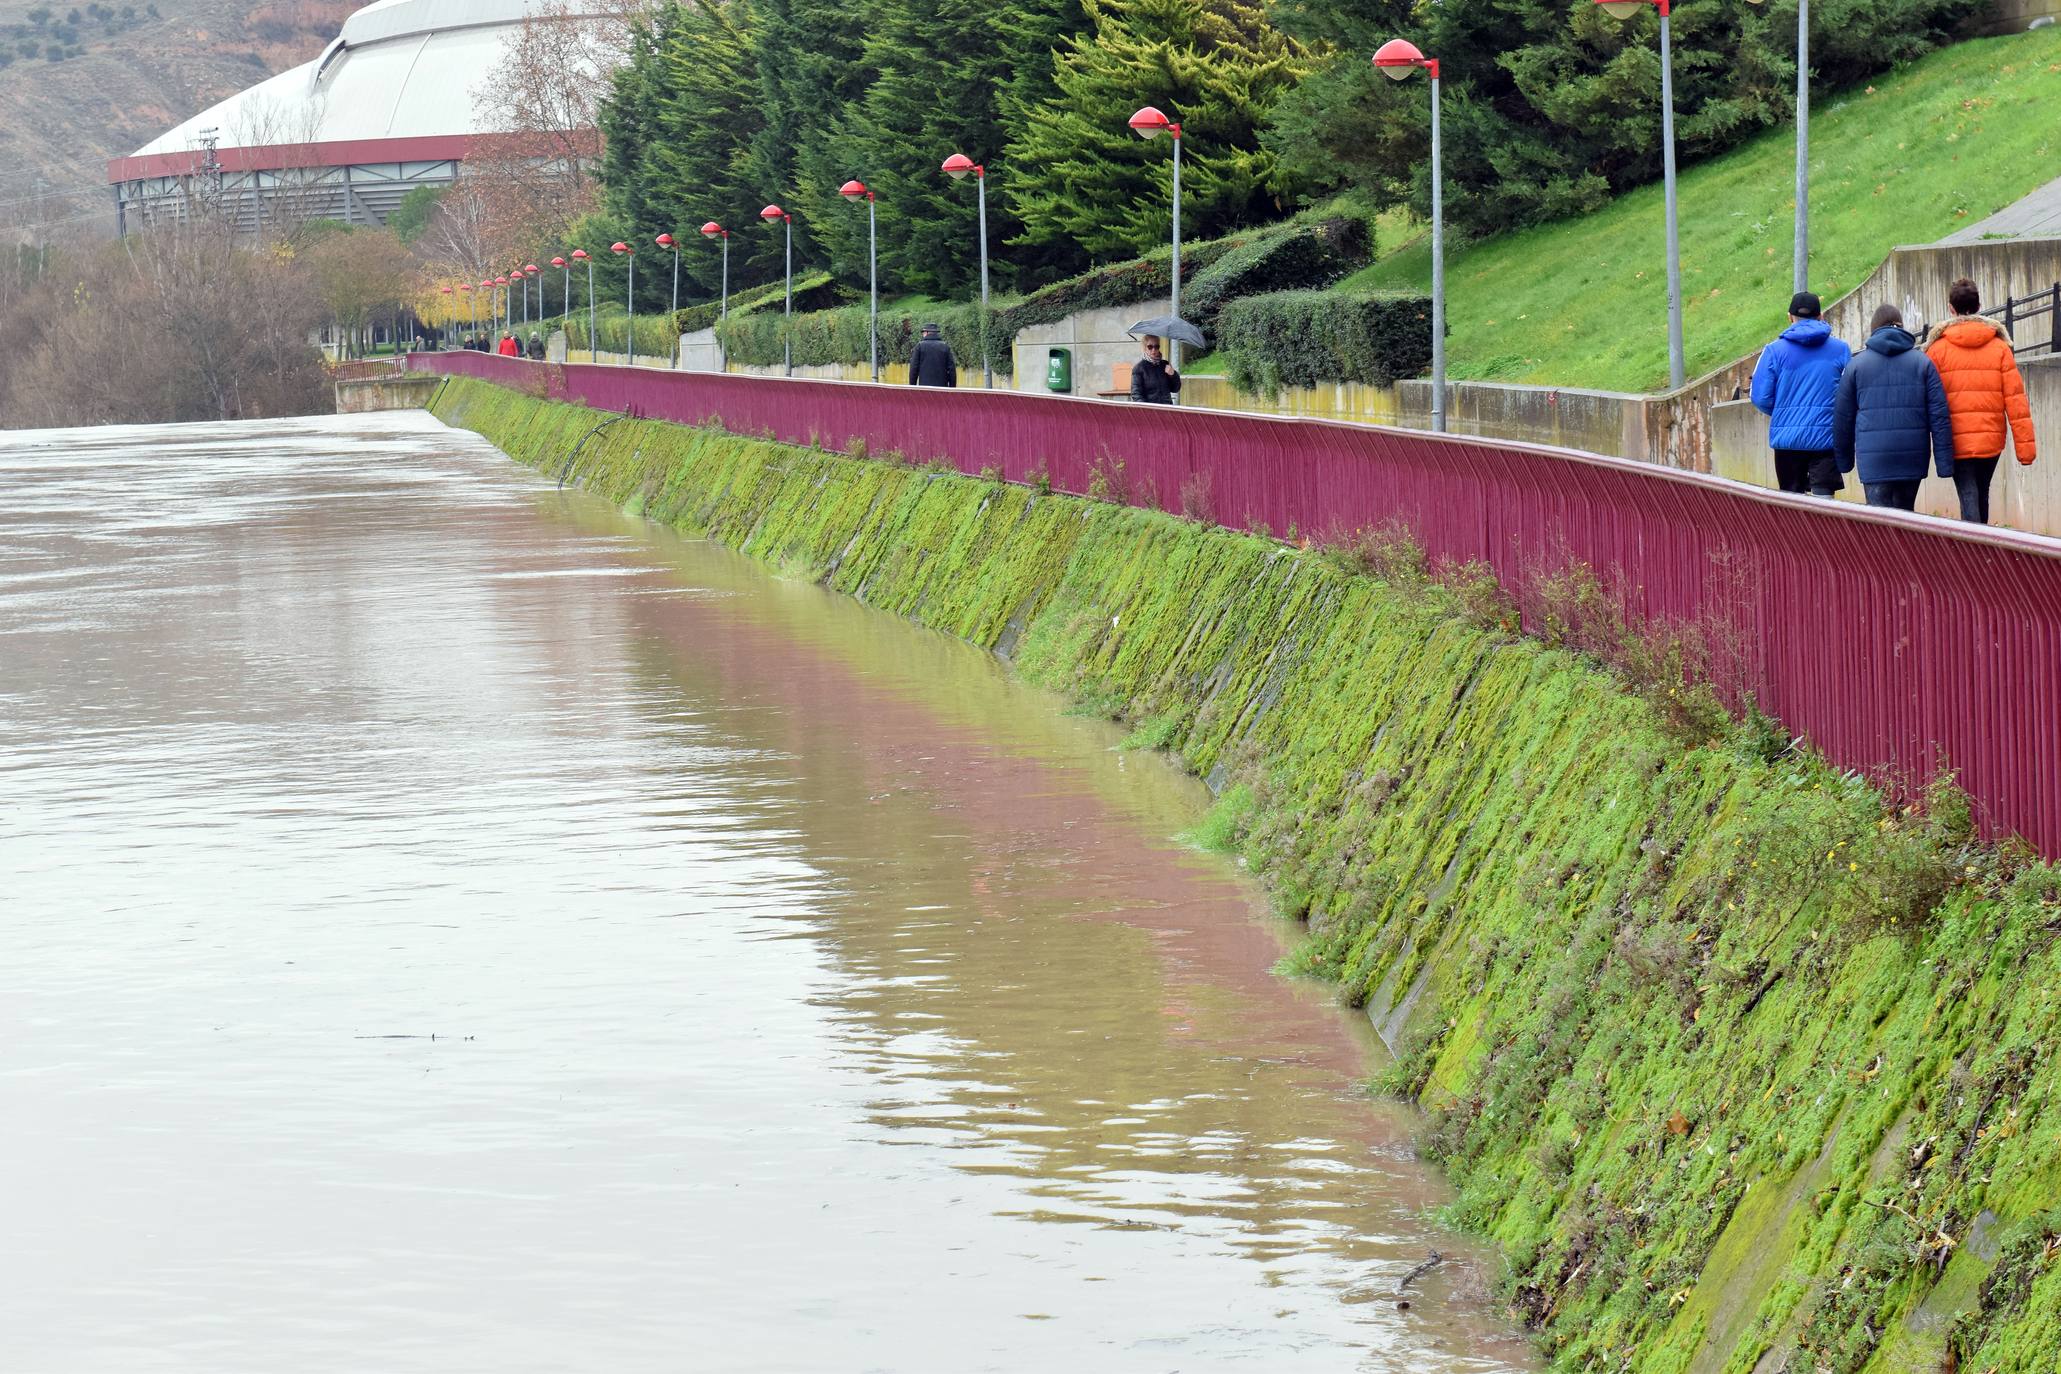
{"x": 1148, "y": 124}
{"x": 713, "y": 230}
{"x": 854, "y": 191}
{"x": 629, "y": 301}
{"x": 956, "y": 167}
{"x": 580, "y": 255}
{"x": 1398, "y": 58}
{"x": 1625, "y": 9}
{"x": 769, "y": 214}
{"x": 532, "y": 272}
{"x": 666, "y": 241}
{"x": 1802, "y": 270}
{"x": 565, "y": 306}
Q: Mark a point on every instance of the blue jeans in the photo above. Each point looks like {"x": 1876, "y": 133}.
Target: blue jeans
{"x": 1896, "y": 495}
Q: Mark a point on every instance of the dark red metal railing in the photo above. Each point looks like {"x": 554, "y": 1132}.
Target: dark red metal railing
{"x": 1898, "y": 644}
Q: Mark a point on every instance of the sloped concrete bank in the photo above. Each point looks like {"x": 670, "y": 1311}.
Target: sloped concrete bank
{"x": 1742, "y": 1070}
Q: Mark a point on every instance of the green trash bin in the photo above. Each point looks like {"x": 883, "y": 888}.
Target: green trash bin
{"x": 1059, "y": 370}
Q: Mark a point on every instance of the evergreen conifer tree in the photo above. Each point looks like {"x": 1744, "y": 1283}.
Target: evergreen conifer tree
{"x": 1082, "y": 179}
{"x": 708, "y": 114}
{"x": 952, "y": 76}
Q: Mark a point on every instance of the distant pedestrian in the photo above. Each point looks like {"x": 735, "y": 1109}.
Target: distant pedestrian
{"x": 1986, "y": 394}
{"x": 536, "y": 346}
{"x": 1794, "y": 384}
{"x": 1153, "y": 380}
{"x": 932, "y": 364}
{"x": 509, "y": 347}
{"x": 1891, "y": 411}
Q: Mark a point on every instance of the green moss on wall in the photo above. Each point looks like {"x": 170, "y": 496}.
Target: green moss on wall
{"x": 1743, "y": 1070}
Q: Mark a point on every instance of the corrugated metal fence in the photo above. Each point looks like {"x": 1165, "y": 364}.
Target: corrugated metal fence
{"x": 1898, "y": 644}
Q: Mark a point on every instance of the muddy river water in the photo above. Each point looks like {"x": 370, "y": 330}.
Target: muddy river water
{"x": 451, "y": 926}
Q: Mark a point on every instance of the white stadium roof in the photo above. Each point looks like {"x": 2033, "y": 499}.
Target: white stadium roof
{"x": 392, "y": 94}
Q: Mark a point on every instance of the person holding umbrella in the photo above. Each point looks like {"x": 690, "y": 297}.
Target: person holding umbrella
{"x": 1154, "y": 380}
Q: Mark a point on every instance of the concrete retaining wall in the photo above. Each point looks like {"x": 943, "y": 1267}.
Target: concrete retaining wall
{"x": 1099, "y": 346}
{"x": 402, "y": 391}
{"x": 2023, "y": 498}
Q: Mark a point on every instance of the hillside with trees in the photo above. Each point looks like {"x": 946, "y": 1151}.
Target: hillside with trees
{"x": 1550, "y": 110}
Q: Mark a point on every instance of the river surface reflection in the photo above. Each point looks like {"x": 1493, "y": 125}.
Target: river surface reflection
{"x": 451, "y": 926}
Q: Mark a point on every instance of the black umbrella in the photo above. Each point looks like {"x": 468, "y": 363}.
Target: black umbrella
{"x": 1169, "y": 327}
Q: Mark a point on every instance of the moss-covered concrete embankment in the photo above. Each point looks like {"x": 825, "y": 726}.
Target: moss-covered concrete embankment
{"x": 1743, "y": 1070}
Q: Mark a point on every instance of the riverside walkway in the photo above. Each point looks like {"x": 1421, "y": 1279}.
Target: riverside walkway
{"x": 1898, "y": 645}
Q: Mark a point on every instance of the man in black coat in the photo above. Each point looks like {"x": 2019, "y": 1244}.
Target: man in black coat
{"x": 933, "y": 364}
{"x": 1153, "y": 380}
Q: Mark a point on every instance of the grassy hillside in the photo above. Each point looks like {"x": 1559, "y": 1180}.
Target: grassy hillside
{"x": 1922, "y": 152}
{"x": 1732, "y": 1060}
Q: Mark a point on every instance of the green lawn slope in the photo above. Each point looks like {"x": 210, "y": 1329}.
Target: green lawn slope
{"x": 1922, "y": 152}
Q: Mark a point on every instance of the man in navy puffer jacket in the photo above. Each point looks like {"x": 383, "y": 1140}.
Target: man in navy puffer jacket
{"x": 1794, "y": 384}
{"x": 1891, "y": 409}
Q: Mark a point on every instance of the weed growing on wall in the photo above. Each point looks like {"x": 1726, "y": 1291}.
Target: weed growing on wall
{"x": 1741, "y": 1065}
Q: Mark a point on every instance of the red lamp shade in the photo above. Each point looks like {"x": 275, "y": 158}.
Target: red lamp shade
{"x": 664, "y": 240}
{"x": 1150, "y": 123}
{"x": 712, "y": 230}
{"x": 500, "y": 281}
{"x": 771, "y": 213}
{"x": 958, "y": 165}
{"x": 620, "y": 248}
{"x": 1398, "y": 57}
{"x": 531, "y": 268}
{"x": 445, "y": 289}
{"x": 854, "y": 190}
{"x": 558, "y": 262}
{"x": 579, "y": 255}
{"x": 465, "y": 286}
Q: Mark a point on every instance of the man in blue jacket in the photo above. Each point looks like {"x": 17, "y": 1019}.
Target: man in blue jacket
{"x": 1794, "y": 385}
{"x": 1890, "y": 410}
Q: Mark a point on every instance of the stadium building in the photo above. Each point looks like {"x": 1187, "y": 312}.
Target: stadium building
{"x": 387, "y": 107}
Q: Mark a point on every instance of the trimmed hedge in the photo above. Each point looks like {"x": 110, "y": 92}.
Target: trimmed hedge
{"x": 1306, "y": 338}
{"x": 839, "y": 336}
{"x": 1300, "y": 256}
{"x": 654, "y": 336}
{"x": 1294, "y": 255}
{"x": 812, "y": 291}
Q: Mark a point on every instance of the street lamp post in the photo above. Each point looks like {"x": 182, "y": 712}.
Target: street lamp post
{"x": 1625, "y": 9}
{"x": 565, "y": 308}
{"x": 472, "y": 303}
{"x": 520, "y": 282}
{"x": 856, "y": 191}
{"x": 1149, "y": 124}
{"x": 536, "y": 274}
{"x": 666, "y": 241}
{"x": 450, "y": 315}
{"x": 1398, "y": 58}
{"x": 593, "y": 339}
{"x": 629, "y": 254}
{"x": 713, "y": 230}
{"x": 957, "y": 166}
{"x": 1802, "y": 269}
{"x": 505, "y": 325}
{"x": 769, "y": 214}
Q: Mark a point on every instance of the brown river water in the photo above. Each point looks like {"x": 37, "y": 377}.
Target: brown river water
{"x": 452, "y": 926}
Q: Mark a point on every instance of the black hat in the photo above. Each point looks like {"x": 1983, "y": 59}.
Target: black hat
{"x": 929, "y": 329}
{"x": 1806, "y": 306}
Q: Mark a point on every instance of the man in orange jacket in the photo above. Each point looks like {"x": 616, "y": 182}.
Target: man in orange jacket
{"x": 1984, "y": 393}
